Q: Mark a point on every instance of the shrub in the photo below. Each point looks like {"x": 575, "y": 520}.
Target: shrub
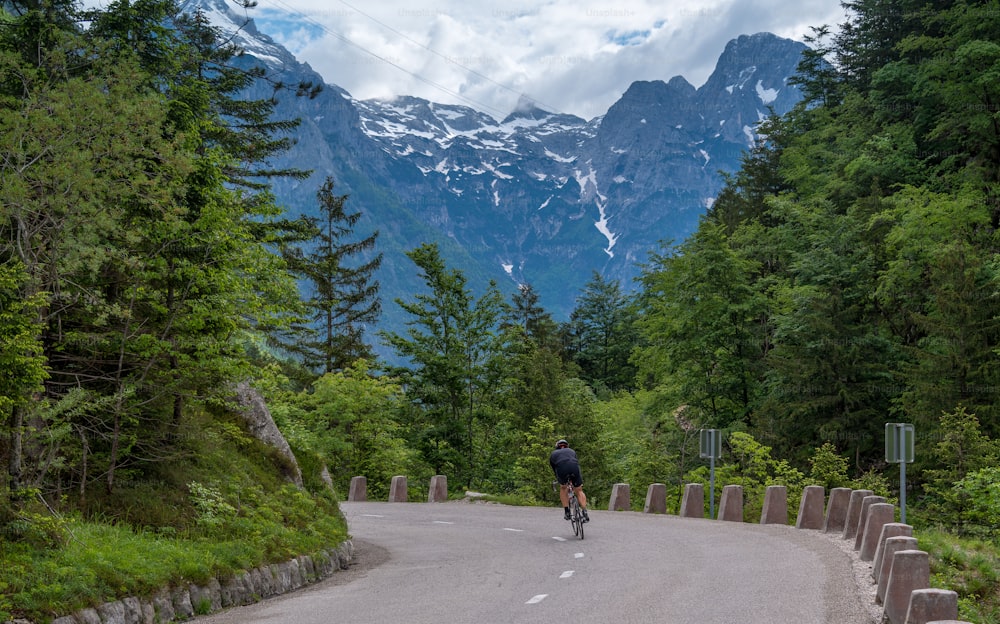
{"x": 829, "y": 468}
{"x": 749, "y": 464}
{"x": 979, "y": 493}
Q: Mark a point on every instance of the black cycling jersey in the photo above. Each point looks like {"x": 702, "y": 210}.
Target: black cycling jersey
{"x": 566, "y": 466}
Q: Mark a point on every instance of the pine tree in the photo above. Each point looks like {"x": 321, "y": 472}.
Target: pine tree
{"x": 457, "y": 352}
{"x": 344, "y": 297}
{"x": 601, "y": 334}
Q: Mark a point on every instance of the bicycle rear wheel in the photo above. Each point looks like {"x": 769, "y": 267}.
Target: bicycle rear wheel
{"x": 577, "y": 518}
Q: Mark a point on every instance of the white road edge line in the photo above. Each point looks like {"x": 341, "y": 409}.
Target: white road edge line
{"x": 537, "y": 599}
{"x": 371, "y": 516}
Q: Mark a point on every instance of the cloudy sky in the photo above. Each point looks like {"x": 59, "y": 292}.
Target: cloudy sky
{"x": 571, "y": 56}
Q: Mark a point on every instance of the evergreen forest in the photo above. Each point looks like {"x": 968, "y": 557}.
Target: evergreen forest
{"x": 846, "y": 277}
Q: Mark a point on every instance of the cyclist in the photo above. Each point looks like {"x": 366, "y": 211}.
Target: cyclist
{"x": 567, "y": 468}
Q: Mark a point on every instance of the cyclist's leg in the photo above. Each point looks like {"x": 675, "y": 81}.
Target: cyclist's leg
{"x": 565, "y": 482}
{"x": 577, "y": 480}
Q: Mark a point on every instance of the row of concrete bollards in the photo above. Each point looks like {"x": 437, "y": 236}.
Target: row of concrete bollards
{"x": 398, "y": 489}
{"x": 900, "y": 571}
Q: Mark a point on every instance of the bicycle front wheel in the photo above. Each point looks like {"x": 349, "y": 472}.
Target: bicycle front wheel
{"x": 577, "y": 519}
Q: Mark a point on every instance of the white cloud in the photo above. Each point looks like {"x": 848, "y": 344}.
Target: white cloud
{"x": 573, "y": 56}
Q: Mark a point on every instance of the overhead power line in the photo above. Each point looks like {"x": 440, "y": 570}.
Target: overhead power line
{"x": 427, "y": 81}
{"x": 443, "y": 56}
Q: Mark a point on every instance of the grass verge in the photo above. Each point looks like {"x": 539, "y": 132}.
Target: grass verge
{"x": 223, "y": 506}
{"x": 969, "y": 567}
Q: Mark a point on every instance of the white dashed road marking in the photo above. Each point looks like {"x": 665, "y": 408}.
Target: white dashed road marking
{"x": 515, "y": 530}
{"x": 578, "y": 555}
{"x": 566, "y": 574}
{"x": 442, "y": 522}
{"x": 537, "y": 599}
{"x": 559, "y": 539}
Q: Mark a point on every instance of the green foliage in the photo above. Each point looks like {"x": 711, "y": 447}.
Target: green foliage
{"x": 749, "y": 463}
{"x": 212, "y": 510}
{"x": 241, "y": 515}
{"x": 700, "y": 327}
{"x": 601, "y": 334}
{"x": 344, "y": 294}
{"x": 532, "y": 474}
{"x": 875, "y": 481}
{"x": 979, "y": 493}
{"x": 30, "y": 523}
{"x": 352, "y": 420}
{"x": 969, "y": 567}
{"x": 829, "y": 468}
{"x": 963, "y": 458}
{"x": 20, "y": 350}
{"x": 457, "y": 347}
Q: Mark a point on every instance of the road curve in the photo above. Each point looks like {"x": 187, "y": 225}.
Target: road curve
{"x": 423, "y": 563}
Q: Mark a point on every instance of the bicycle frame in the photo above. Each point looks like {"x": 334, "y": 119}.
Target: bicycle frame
{"x": 575, "y": 511}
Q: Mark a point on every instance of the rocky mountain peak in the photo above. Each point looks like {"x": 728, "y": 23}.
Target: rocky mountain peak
{"x": 758, "y": 67}
{"x": 539, "y": 197}
{"x": 526, "y": 108}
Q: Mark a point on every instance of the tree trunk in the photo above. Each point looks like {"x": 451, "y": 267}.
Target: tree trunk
{"x": 85, "y": 450}
{"x": 14, "y": 467}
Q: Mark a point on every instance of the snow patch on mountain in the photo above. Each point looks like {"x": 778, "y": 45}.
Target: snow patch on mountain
{"x": 766, "y": 95}
{"x": 602, "y": 226}
{"x": 558, "y": 158}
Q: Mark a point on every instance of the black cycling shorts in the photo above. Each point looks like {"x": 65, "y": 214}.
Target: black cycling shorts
{"x": 565, "y": 474}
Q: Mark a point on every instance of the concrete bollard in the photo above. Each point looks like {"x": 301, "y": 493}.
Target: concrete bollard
{"x": 836, "y": 510}
{"x": 397, "y": 489}
{"x": 879, "y": 515}
{"x": 693, "y": 503}
{"x": 775, "y": 509}
{"x": 893, "y": 545}
{"x": 731, "y": 505}
{"x": 854, "y": 513}
{"x": 438, "y": 492}
{"x": 359, "y": 489}
{"x": 892, "y": 529}
{"x": 656, "y": 499}
{"x": 911, "y": 570}
{"x": 866, "y": 504}
{"x": 928, "y": 605}
{"x": 620, "y": 497}
{"x": 811, "y": 508}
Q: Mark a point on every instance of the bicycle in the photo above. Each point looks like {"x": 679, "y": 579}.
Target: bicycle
{"x": 575, "y": 511}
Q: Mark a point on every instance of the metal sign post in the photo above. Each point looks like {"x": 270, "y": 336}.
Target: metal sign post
{"x": 711, "y": 447}
{"x": 899, "y": 450}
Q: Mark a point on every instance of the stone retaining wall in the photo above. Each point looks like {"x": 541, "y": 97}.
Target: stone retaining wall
{"x": 181, "y": 603}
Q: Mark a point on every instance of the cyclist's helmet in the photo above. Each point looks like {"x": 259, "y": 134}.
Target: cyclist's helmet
{"x": 562, "y": 444}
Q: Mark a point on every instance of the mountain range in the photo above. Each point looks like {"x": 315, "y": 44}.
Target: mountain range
{"x": 538, "y": 197}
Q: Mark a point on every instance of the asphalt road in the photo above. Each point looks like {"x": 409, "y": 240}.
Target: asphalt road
{"x": 456, "y": 562}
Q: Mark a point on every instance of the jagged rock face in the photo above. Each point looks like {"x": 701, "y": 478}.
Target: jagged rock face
{"x": 539, "y": 197}
{"x": 261, "y": 426}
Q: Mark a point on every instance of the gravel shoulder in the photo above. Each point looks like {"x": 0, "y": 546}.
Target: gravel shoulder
{"x": 862, "y": 572}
